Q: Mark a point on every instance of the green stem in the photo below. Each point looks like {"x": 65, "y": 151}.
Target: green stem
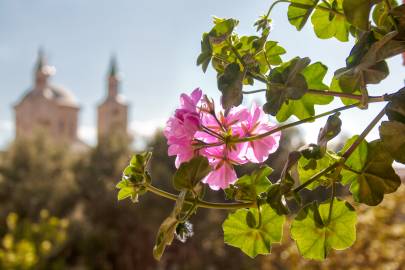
{"x": 345, "y": 155}
{"x": 365, "y": 132}
{"x": 331, "y": 10}
{"x": 370, "y": 99}
{"x": 316, "y": 177}
{"x": 309, "y": 119}
{"x": 346, "y": 95}
{"x": 391, "y": 17}
{"x": 332, "y": 197}
{"x": 254, "y": 91}
{"x": 387, "y": 2}
{"x": 274, "y": 4}
{"x": 245, "y": 67}
{"x": 201, "y": 203}
{"x": 350, "y": 169}
{"x": 259, "y": 210}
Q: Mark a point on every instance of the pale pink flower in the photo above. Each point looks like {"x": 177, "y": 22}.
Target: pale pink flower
{"x": 222, "y": 160}
{"x": 257, "y": 123}
{"x": 223, "y": 157}
{"x": 196, "y": 129}
{"x": 181, "y": 128}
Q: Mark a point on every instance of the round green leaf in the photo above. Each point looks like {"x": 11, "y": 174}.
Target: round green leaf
{"x": 304, "y": 107}
{"x": 393, "y": 138}
{"x": 376, "y": 178}
{"x": 358, "y": 12}
{"x": 315, "y": 238}
{"x": 299, "y": 11}
{"x": 327, "y": 24}
{"x": 230, "y": 84}
{"x": 253, "y": 241}
{"x": 191, "y": 173}
{"x": 306, "y": 171}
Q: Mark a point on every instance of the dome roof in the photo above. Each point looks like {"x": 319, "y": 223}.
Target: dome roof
{"x": 61, "y": 96}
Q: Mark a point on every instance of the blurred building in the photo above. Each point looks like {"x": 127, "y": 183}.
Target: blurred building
{"x": 54, "y": 110}
{"x": 47, "y": 107}
{"x": 112, "y": 113}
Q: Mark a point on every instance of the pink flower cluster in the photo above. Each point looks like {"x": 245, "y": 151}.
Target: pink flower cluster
{"x": 196, "y": 129}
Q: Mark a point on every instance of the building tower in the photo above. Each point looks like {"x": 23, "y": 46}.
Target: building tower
{"x": 47, "y": 108}
{"x": 112, "y": 114}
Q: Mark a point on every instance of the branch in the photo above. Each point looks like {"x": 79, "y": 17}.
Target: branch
{"x": 200, "y": 203}
{"x": 254, "y": 91}
{"x": 309, "y": 119}
{"x": 365, "y": 132}
{"x": 370, "y": 99}
{"x": 346, "y": 95}
{"x": 316, "y": 177}
{"x": 274, "y": 4}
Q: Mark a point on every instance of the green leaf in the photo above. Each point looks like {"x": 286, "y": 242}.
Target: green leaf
{"x": 376, "y": 178}
{"x": 366, "y": 64}
{"x": 328, "y": 24}
{"x": 304, "y": 107}
{"x": 169, "y": 226}
{"x": 392, "y": 134}
{"x": 358, "y": 12}
{"x": 299, "y": 11}
{"x": 262, "y": 23}
{"x": 315, "y": 238}
{"x": 222, "y": 29}
{"x": 205, "y": 56}
{"x": 381, "y": 15}
{"x": 165, "y": 236}
{"x": 395, "y": 109}
{"x": 127, "y": 192}
{"x": 275, "y": 199}
{"x": 191, "y": 173}
{"x": 135, "y": 177}
{"x": 230, "y": 84}
{"x": 314, "y": 75}
{"x": 269, "y": 56}
{"x": 399, "y": 16}
{"x": 248, "y": 187}
{"x": 286, "y": 82}
{"x": 253, "y": 241}
{"x": 358, "y": 158}
{"x": 356, "y": 161}
{"x": 140, "y": 161}
{"x": 335, "y": 86}
{"x": 309, "y": 167}
{"x": 331, "y": 129}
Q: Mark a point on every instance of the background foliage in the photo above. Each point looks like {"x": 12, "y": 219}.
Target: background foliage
{"x": 105, "y": 234}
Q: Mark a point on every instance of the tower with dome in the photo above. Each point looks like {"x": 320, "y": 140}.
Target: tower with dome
{"x": 112, "y": 113}
{"x": 46, "y": 107}
{"x": 53, "y": 110}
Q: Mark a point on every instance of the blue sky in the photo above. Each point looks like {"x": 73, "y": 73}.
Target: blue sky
{"x": 156, "y": 43}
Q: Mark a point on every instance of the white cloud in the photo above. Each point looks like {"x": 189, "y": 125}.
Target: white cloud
{"x": 147, "y": 128}
{"x": 87, "y": 134}
{"x": 6, "y": 132}
{"x": 139, "y": 129}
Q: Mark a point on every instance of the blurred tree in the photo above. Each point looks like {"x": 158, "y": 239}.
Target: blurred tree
{"x": 29, "y": 246}
{"x": 36, "y": 175}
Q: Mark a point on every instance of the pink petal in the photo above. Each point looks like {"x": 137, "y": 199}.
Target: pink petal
{"x": 221, "y": 177}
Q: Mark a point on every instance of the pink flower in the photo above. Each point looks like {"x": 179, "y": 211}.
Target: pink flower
{"x": 181, "y": 128}
{"x": 257, "y": 123}
{"x": 222, "y": 160}
{"x": 222, "y": 157}
{"x": 196, "y": 129}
